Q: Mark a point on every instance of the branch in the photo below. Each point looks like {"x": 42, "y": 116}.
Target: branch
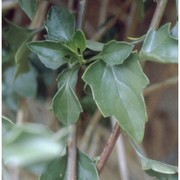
{"x": 72, "y": 154}
{"x": 161, "y": 5}
{"x": 94, "y": 120}
{"x": 164, "y": 84}
{"x": 109, "y": 147}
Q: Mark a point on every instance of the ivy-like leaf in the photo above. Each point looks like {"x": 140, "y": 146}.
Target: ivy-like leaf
{"x": 60, "y": 24}
{"x": 50, "y": 53}
{"x": 66, "y": 105}
{"x": 30, "y": 144}
{"x": 29, "y": 7}
{"x": 57, "y": 169}
{"x": 79, "y": 40}
{"x": 117, "y": 91}
{"x": 159, "y": 46}
{"x": 155, "y": 168}
{"x": 114, "y": 52}
{"x": 95, "y": 46}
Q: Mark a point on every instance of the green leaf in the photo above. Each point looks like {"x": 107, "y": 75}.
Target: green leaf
{"x": 7, "y": 125}
{"x": 29, "y": 7}
{"x": 60, "y": 24}
{"x": 79, "y": 40}
{"x": 21, "y": 85}
{"x": 155, "y": 168}
{"x": 66, "y": 105}
{"x": 95, "y": 46}
{"x": 57, "y": 169}
{"x": 114, "y": 53}
{"x": 117, "y": 91}
{"x": 52, "y": 54}
{"x": 174, "y": 31}
{"x": 159, "y": 46}
{"x": 30, "y": 144}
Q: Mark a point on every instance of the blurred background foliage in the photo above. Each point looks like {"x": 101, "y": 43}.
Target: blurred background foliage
{"x": 27, "y": 97}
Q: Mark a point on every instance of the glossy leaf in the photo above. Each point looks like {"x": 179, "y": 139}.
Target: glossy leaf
{"x": 29, "y": 7}
{"x": 57, "y": 169}
{"x": 114, "y": 52}
{"x": 30, "y": 144}
{"x": 155, "y": 168}
{"x": 52, "y": 54}
{"x": 60, "y": 24}
{"x": 79, "y": 40}
{"x": 66, "y": 105}
{"x": 117, "y": 91}
{"x": 95, "y": 46}
{"x": 159, "y": 46}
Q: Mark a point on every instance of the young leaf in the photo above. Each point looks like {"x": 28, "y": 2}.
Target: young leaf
{"x": 30, "y": 144}
{"x": 95, "y": 46}
{"x": 117, "y": 91}
{"x": 155, "y": 168}
{"x": 114, "y": 53}
{"x": 29, "y": 7}
{"x": 60, "y": 24}
{"x": 159, "y": 46}
{"x": 66, "y": 105}
{"x": 50, "y": 53}
{"x": 57, "y": 169}
{"x": 80, "y": 40}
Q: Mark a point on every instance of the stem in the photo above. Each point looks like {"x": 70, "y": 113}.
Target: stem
{"x": 161, "y": 5}
{"x": 109, "y": 147}
{"x": 162, "y": 85}
{"x": 72, "y": 154}
{"x": 72, "y": 146}
{"x": 81, "y": 10}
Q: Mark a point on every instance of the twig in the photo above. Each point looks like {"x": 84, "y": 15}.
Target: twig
{"x": 103, "y": 11}
{"x": 85, "y": 140}
{"x": 158, "y": 86}
{"x": 81, "y": 13}
{"x": 161, "y": 5}
{"x": 7, "y": 5}
{"x": 72, "y": 146}
{"x": 108, "y": 148}
{"x": 121, "y": 155}
{"x": 72, "y": 154}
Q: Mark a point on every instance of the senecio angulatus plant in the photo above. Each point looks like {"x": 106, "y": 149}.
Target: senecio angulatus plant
{"x": 113, "y": 75}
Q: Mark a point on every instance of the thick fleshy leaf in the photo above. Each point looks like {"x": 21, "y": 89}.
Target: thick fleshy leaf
{"x": 66, "y": 105}
{"x": 30, "y": 144}
{"x": 29, "y": 7}
{"x": 117, "y": 91}
{"x": 57, "y": 169}
{"x": 60, "y": 24}
{"x": 159, "y": 46}
{"x": 95, "y": 46}
{"x": 114, "y": 52}
{"x": 79, "y": 40}
{"x": 52, "y": 54}
{"x": 155, "y": 168}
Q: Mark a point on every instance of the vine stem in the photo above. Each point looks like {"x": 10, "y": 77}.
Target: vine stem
{"x": 109, "y": 147}
{"x": 160, "y": 8}
{"x": 72, "y": 145}
{"x": 72, "y": 154}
